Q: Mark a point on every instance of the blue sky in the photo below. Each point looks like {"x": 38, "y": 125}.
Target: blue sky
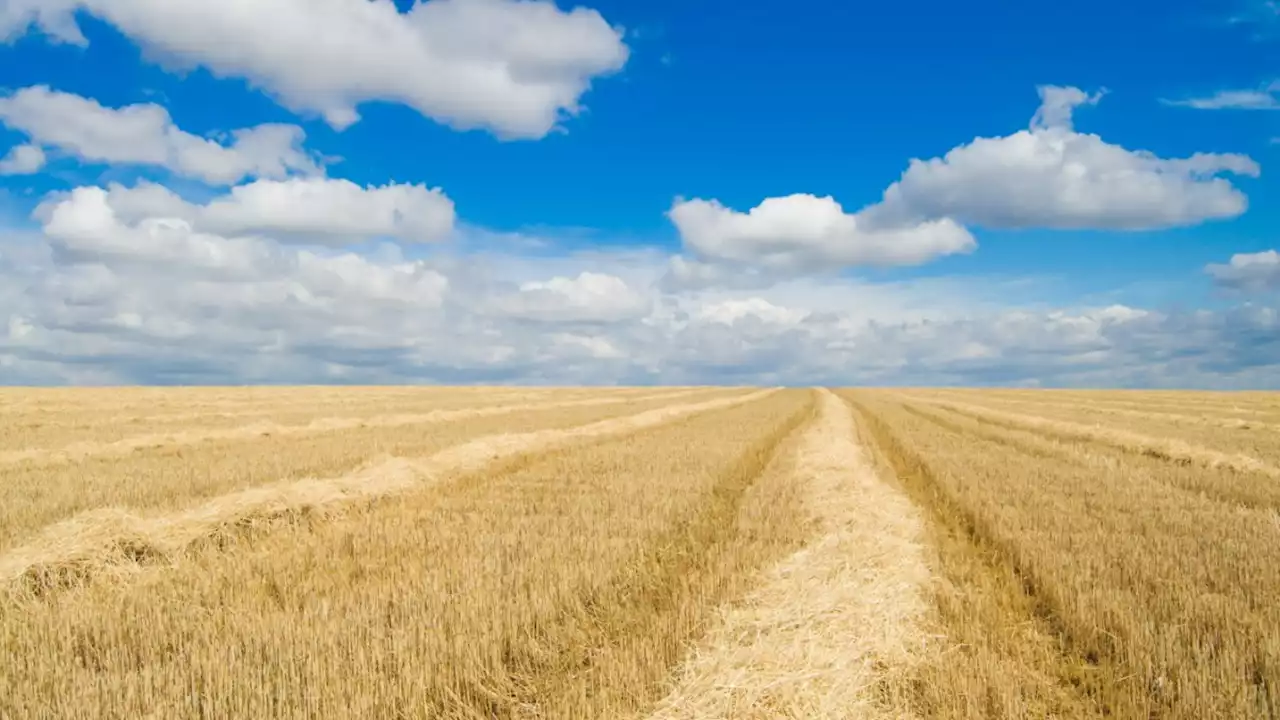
{"x": 600, "y": 163}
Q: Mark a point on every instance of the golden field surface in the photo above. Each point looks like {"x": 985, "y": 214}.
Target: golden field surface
{"x": 638, "y": 553}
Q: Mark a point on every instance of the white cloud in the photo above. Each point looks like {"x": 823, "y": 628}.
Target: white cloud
{"x": 589, "y": 297}
{"x": 84, "y": 227}
{"x": 1248, "y": 271}
{"x": 101, "y": 300}
{"x": 157, "y": 300}
{"x": 155, "y": 290}
{"x": 321, "y": 211}
{"x": 596, "y": 348}
{"x": 22, "y": 160}
{"x": 329, "y": 208}
{"x": 1058, "y": 105}
{"x": 144, "y": 134}
{"x": 512, "y": 66}
{"x": 805, "y": 232}
{"x": 729, "y": 312}
{"x": 688, "y": 273}
{"x": 1050, "y": 176}
{"x": 1263, "y": 98}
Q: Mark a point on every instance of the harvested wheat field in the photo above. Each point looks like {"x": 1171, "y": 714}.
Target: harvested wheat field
{"x": 647, "y": 553}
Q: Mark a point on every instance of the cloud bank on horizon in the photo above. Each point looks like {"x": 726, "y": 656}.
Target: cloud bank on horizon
{"x": 267, "y": 196}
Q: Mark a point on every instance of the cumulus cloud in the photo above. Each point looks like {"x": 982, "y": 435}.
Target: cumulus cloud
{"x": 1047, "y": 176}
{"x": 322, "y": 211}
{"x": 22, "y": 160}
{"x": 806, "y": 232}
{"x": 84, "y": 227}
{"x": 106, "y": 297}
{"x": 102, "y": 300}
{"x": 515, "y": 67}
{"x": 336, "y": 209}
{"x": 144, "y": 134}
{"x": 139, "y": 284}
{"x": 589, "y": 297}
{"x": 1050, "y": 176}
{"x": 757, "y": 309}
{"x": 1248, "y": 271}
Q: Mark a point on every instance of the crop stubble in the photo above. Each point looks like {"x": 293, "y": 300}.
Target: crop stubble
{"x": 1061, "y": 554}
{"x": 1089, "y": 569}
{"x": 1177, "y": 432}
{"x": 566, "y": 584}
{"x": 50, "y": 427}
{"x": 35, "y": 493}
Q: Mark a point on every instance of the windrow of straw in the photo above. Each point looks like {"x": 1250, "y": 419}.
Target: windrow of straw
{"x": 835, "y": 630}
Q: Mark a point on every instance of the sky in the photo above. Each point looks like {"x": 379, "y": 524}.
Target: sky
{"x": 696, "y": 192}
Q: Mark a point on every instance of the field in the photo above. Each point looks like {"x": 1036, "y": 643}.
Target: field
{"x": 653, "y": 553}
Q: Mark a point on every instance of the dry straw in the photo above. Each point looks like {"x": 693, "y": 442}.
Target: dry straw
{"x": 833, "y": 624}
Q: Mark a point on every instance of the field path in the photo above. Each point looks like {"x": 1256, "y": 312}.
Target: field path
{"x": 118, "y": 541}
{"x": 76, "y": 452}
{"x": 816, "y": 639}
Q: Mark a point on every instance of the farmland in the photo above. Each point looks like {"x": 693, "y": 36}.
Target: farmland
{"x": 638, "y": 553}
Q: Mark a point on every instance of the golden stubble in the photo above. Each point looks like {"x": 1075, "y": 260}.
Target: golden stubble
{"x": 564, "y": 584}
{"x": 115, "y": 541}
{"x": 650, "y": 553}
{"x": 35, "y": 495}
{"x": 449, "y": 408}
{"x": 1089, "y": 570}
{"x": 1234, "y": 432}
{"x": 1161, "y": 446}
